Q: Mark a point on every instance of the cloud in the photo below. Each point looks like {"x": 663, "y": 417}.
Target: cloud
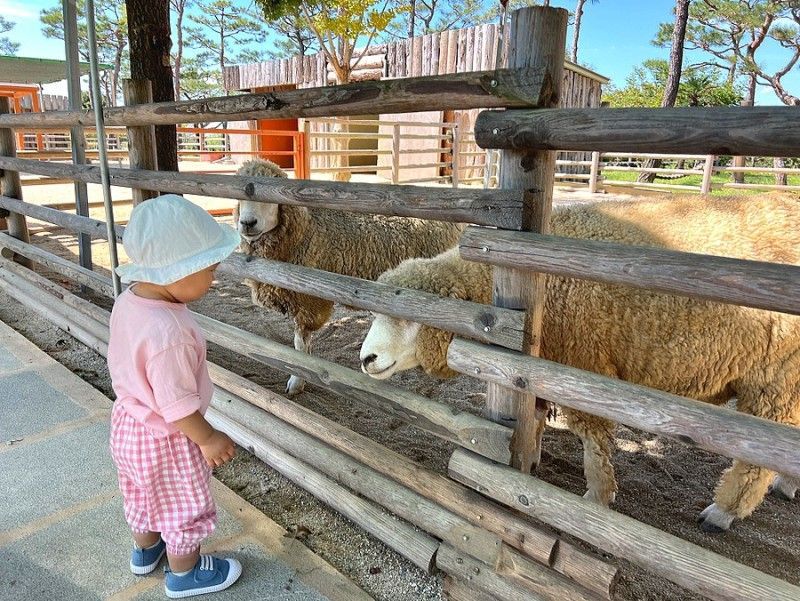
{"x": 12, "y": 9}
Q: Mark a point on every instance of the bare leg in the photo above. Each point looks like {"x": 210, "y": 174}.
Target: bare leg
{"x": 597, "y": 435}
{"x": 183, "y": 563}
{"x": 146, "y": 539}
{"x": 302, "y": 342}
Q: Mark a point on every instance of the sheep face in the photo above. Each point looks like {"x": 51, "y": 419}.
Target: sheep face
{"x": 253, "y": 219}
{"x": 394, "y": 345}
{"x": 390, "y": 347}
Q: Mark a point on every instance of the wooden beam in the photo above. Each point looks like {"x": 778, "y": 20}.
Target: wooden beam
{"x": 688, "y": 565}
{"x": 436, "y": 418}
{"x": 474, "y": 320}
{"x": 488, "y": 89}
{"x": 76, "y": 223}
{"x": 57, "y": 264}
{"x": 717, "y": 429}
{"x": 537, "y": 36}
{"x": 481, "y": 207}
{"x": 405, "y": 503}
{"x": 463, "y": 566}
{"x": 758, "y": 284}
{"x": 750, "y": 131}
{"x": 414, "y": 545}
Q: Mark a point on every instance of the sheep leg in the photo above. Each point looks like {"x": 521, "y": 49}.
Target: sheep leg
{"x": 597, "y": 435}
{"x": 302, "y": 342}
{"x": 784, "y": 487}
{"x": 743, "y": 486}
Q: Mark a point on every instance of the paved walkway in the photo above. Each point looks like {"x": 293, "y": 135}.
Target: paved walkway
{"x": 62, "y": 534}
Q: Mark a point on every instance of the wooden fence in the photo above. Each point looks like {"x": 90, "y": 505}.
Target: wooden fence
{"x": 469, "y": 524}
{"x": 591, "y": 172}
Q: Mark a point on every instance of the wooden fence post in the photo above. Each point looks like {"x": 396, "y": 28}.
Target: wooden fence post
{"x": 396, "y": 153}
{"x": 141, "y": 139}
{"x": 594, "y": 172}
{"x": 708, "y": 171}
{"x": 537, "y": 38}
{"x": 455, "y": 149}
{"x": 10, "y": 185}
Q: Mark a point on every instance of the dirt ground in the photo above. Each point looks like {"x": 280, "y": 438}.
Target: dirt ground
{"x": 661, "y": 482}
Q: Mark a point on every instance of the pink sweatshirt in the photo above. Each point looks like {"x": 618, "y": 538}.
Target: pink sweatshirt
{"x": 157, "y": 361}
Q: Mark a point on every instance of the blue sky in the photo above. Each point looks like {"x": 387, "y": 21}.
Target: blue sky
{"x": 615, "y": 37}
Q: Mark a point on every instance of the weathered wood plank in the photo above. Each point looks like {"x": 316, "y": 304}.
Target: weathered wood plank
{"x": 433, "y": 93}
{"x": 688, "y": 565}
{"x": 717, "y": 429}
{"x": 474, "y": 320}
{"x": 482, "y": 207}
{"x": 76, "y": 223}
{"x": 57, "y": 264}
{"x": 401, "y": 501}
{"x": 436, "y": 418}
{"x": 751, "y": 131}
{"x": 455, "y": 589}
{"x": 461, "y": 565}
{"x": 519, "y": 533}
{"x": 537, "y": 36}
{"x": 759, "y": 284}
{"x": 416, "y": 546}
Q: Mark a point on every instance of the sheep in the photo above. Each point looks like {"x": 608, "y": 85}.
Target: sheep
{"x": 363, "y": 246}
{"x": 708, "y": 351}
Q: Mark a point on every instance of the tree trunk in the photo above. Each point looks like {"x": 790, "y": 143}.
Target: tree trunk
{"x": 176, "y": 68}
{"x": 675, "y": 70}
{"x": 576, "y": 34}
{"x": 412, "y": 19}
{"x": 149, "y": 35}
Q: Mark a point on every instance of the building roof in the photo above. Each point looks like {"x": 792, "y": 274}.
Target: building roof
{"x": 23, "y": 70}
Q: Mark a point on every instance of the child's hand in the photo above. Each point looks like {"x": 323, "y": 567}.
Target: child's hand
{"x": 218, "y": 449}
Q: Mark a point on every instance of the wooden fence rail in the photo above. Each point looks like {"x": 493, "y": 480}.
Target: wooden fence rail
{"x": 481, "y": 207}
{"x": 487, "y": 89}
{"x": 759, "y": 284}
{"x": 692, "y": 567}
{"x": 718, "y": 429}
{"x": 756, "y": 131}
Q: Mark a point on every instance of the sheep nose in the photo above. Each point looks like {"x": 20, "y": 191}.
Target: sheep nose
{"x": 366, "y": 361}
{"x": 248, "y": 223}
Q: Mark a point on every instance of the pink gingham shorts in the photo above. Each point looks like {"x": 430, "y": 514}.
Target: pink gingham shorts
{"x": 164, "y": 484}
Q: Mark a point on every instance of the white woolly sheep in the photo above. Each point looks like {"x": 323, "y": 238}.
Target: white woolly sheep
{"x": 704, "y": 350}
{"x": 362, "y": 246}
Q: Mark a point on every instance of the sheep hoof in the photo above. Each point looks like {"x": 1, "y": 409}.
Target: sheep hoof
{"x": 714, "y": 520}
{"x": 295, "y": 386}
{"x": 783, "y": 489}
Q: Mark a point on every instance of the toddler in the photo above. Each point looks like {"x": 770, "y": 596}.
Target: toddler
{"x": 161, "y": 444}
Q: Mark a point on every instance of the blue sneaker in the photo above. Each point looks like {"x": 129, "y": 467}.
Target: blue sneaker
{"x": 209, "y": 575}
{"x": 144, "y": 561}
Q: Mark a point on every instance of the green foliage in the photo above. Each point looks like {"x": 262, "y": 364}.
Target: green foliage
{"x": 700, "y": 86}
{"x": 731, "y": 33}
{"x": 198, "y": 80}
{"x": 111, "y": 27}
{"x": 338, "y": 25}
{"x": 6, "y": 45}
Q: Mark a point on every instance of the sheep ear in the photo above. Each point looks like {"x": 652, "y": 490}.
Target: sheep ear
{"x": 432, "y": 345}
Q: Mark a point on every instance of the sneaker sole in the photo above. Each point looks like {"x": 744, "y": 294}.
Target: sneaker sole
{"x": 144, "y": 570}
{"x": 233, "y": 575}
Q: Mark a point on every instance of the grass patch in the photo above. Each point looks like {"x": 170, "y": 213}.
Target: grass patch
{"x": 717, "y": 180}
